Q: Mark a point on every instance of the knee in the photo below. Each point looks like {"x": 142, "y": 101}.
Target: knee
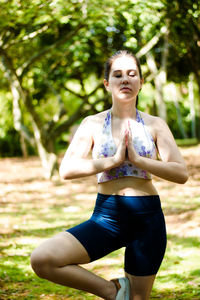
{"x": 41, "y": 263}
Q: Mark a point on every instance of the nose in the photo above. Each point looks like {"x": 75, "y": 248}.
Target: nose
{"x": 125, "y": 79}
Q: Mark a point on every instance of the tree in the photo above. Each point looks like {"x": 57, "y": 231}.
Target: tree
{"x": 53, "y": 52}
{"x": 184, "y": 44}
{"x": 48, "y": 35}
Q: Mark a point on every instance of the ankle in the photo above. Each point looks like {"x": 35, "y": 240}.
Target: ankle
{"x": 112, "y": 290}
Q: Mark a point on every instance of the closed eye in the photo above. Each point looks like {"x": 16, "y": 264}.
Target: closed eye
{"x": 132, "y": 74}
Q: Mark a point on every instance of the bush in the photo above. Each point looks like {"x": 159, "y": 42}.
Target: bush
{"x": 10, "y": 145}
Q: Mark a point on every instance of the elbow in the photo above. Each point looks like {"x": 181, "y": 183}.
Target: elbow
{"x": 63, "y": 174}
{"x": 183, "y": 178}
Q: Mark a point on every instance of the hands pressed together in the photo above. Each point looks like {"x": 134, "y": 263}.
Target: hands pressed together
{"x": 125, "y": 148}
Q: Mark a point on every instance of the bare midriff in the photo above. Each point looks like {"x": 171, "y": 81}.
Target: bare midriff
{"x": 128, "y": 186}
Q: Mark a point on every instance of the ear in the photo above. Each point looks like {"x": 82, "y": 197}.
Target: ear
{"x": 141, "y": 83}
{"x": 106, "y": 84}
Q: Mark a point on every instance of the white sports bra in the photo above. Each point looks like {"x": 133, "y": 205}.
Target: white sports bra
{"x": 142, "y": 141}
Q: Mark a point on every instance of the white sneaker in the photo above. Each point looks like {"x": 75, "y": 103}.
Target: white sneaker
{"x": 124, "y": 291}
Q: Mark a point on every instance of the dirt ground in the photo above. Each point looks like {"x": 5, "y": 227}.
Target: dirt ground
{"x": 182, "y": 211}
{"x": 22, "y": 180}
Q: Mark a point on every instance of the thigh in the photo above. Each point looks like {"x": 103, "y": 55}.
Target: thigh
{"x": 61, "y": 250}
{"x": 144, "y": 254}
{"x": 96, "y": 239}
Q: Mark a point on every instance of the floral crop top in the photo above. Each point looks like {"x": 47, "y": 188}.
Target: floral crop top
{"x": 143, "y": 143}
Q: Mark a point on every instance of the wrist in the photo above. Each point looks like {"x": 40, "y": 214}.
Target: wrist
{"x": 116, "y": 161}
{"x": 136, "y": 160}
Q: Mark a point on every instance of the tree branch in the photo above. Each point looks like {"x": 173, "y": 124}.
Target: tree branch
{"x": 68, "y": 123}
{"x": 27, "y": 37}
{"x": 151, "y": 43}
{"x": 74, "y": 93}
{"x": 16, "y": 91}
{"x": 80, "y": 113}
{"x": 25, "y": 67}
{"x": 15, "y": 82}
{"x": 62, "y": 111}
{"x": 84, "y": 97}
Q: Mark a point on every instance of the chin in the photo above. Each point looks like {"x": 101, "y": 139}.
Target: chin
{"x": 126, "y": 97}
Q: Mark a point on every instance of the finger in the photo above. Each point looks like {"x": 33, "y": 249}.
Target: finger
{"x": 126, "y": 137}
{"x": 129, "y": 138}
{"x": 122, "y": 133}
{"x": 122, "y": 141}
{"x": 129, "y": 126}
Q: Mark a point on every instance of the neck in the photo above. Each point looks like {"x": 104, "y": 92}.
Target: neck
{"x": 124, "y": 111}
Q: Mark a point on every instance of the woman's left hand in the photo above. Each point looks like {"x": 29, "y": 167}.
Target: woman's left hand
{"x": 132, "y": 154}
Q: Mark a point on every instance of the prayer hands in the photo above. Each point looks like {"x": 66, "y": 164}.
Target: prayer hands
{"x": 125, "y": 148}
{"x": 132, "y": 154}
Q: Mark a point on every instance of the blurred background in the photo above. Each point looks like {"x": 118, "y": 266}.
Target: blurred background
{"x": 52, "y": 56}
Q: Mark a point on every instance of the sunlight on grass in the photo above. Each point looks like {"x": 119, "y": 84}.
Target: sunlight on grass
{"x": 34, "y": 210}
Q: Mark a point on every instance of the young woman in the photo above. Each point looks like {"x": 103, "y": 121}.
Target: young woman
{"x": 125, "y": 144}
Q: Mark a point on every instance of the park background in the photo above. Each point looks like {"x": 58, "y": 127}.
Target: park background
{"x": 52, "y": 56}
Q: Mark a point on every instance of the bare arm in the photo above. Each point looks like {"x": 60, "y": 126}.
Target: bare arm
{"x": 172, "y": 166}
{"x": 75, "y": 163}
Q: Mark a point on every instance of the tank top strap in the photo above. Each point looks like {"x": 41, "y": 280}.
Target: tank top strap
{"x": 107, "y": 123}
{"x": 139, "y": 118}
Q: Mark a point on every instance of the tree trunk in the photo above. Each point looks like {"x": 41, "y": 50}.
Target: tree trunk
{"x": 196, "y": 72}
{"x": 23, "y": 146}
{"x": 178, "y": 111}
{"x": 17, "y": 95}
{"x": 48, "y": 159}
{"x": 160, "y": 76}
{"x": 152, "y": 42}
{"x": 159, "y": 79}
{"x": 192, "y": 105}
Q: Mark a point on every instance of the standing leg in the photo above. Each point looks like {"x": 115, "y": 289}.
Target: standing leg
{"x": 57, "y": 260}
{"x": 141, "y": 286}
{"x": 144, "y": 255}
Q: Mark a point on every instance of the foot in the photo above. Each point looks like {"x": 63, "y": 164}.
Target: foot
{"x": 123, "y": 288}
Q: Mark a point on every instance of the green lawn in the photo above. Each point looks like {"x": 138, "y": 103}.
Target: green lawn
{"x": 33, "y": 209}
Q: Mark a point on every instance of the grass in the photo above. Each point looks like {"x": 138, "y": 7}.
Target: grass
{"x": 187, "y": 142}
{"x": 33, "y": 209}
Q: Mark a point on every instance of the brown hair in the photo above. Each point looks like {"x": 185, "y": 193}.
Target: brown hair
{"x": 116, "y": 55}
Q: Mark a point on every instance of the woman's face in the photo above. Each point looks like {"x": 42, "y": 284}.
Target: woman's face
{"x": 124, "y": 79}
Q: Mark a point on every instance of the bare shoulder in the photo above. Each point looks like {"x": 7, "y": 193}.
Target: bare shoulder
{"x": 94, "y": 121}
{"x": 155, "y": 124}
{"x": 97, "y": 117}
{"x": 150, "y": 119}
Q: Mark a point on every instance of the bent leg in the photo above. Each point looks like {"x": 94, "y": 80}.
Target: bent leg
{"x": 57, "y": 260}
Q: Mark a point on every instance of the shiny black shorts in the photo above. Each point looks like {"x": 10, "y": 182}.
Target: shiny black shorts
{"x": 134, "y": 222}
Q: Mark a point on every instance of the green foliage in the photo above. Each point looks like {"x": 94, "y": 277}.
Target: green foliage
{"x": 187, "y": 142}
{"x": 6, "y": 119}
{"x": 173, "y": 119}
{"x": 10, "y": 144}
{"x": 184, "y": 55}
{"x": 50, "y": 44}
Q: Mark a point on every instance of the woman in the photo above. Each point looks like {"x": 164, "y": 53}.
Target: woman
{"x": 125, "y": 144}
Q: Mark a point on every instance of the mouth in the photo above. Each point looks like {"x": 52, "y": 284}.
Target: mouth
{"x": 125, "y": 89}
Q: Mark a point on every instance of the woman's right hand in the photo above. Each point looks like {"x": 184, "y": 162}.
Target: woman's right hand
{"x": 121, "y": 149}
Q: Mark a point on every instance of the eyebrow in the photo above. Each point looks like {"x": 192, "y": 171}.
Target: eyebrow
{"x": 115, "y": 71}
